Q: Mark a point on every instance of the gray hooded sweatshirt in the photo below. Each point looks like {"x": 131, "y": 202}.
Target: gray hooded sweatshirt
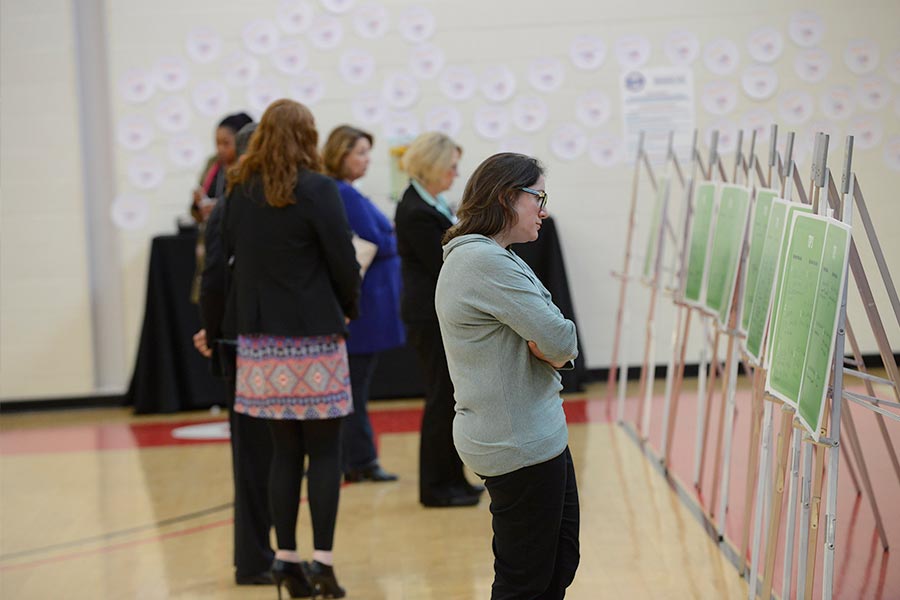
{"x": 508, "y": 410}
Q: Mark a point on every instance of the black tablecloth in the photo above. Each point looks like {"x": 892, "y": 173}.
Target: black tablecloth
{"x": 170, "y": 375}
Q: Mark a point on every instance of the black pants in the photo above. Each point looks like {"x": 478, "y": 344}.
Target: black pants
{"x": 321, "y": 441}
{"x": 440, "y": 468}
{"x": 357, "y": 439}
{"x": 535, "y": 521}
{"x": 251, "y": 458}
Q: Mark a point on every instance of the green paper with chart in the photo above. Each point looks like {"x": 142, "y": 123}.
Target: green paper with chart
{"x": 662, "y": 193}
{"x": 814, "y": 384}
{"x": 725, "y": 254}
{"x": 758, "y": 230}
{"x": 704, "y": 211}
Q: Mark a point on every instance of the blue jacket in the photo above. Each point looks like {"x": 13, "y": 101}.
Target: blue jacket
{"x": 378, "y": 326}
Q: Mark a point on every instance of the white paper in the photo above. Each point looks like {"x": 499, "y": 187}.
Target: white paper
{"x": 861, "y": 56}
{"x": 721, "y": 56}
{"x": 892, "y": 153}
{"x": 568, "y": 142}
{"x": 134, "y": 132}
{"x": 400, "y": 90}
{"x": 186, "y": 151}
{"x": 765, "y": 45}
{"x": 369, "y": 107}
{"x": 137, "y": 85}
{"x": 632, "y": 51}
{"x": 546, "y": 74}
{"x": 719, "y": 97}
{"x": 529, "y": 113}
{"x": 587, "y": 52}
{"x": 338, "y": 6}
{"x": 806, "y": 29}
{"x": 262, "y": 93}
{"x": 171, "y": 73}
{"x": 458, "y": 83}
{"x": 416, "y": 24}
{"x": 371, "y": 20}
{"x": 294, "y": 16}
{"x": 241, "y": 70}
{"x": 893, "y": 66}
{"x": 308, "y": 88}
{"x": 260, "y": 36}
{"x": 400, "y": 127}
{"x": 592, "y": 108}
{"x": 656, "y": 101}
{"x": 517, "y": 144}
{"x": 873, "y": 93}
{"x": 682, "y": 47}
{"x": 759, "y": 82}
{"x": 203, "y": 45}
{"x": 498, "y": 83}
{"x": 867, "y": 132}
{"x": 812, "y": 65}
{"x": 357, "y": 66}
{"x": 837, "y": 102}
{"x": 445, "y": 118}
{"x": 210, "y": 98}
{"x": 796, "y": 107}
{"x": 129, "y": 212}
{"x": 291, "y": 57}
{"x": 426, "y": 61}
{"x": 606, "y": 150}
{"x": 727, "y": 135}
{"x": 326, "y": 32}
{"x": 173, "y": 114}
{"x": 146, "y": 172}
{"x": 491, "y": 122}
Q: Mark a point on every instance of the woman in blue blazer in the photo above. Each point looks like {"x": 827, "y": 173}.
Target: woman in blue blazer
{"x": 378, "y": 327}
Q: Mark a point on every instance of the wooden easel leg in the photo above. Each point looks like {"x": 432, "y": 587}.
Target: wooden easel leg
{"x": 787, "y": 572}
{"x": 717, "y": 466}
{"x": 756, "y": 413}
{"x": 676, "y": 388}
{"x": 670, "y": 384}
{"x": 710, "y": 390}
{"x": 815, "y": 509}
{"x": 784, "y": 436}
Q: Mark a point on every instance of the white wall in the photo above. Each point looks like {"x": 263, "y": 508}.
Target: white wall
{"x": 589, "y": 203}
{"x": 45, "y": 327}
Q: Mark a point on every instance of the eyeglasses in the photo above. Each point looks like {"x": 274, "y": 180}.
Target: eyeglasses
{"x": 541, "y": 195}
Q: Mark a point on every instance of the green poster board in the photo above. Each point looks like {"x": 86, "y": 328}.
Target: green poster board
{"x": 662, "y": 194}
{"x": 725, "y": 254}
{"x": 793, "y": 209}
{"x": 820, "y": 349}
{"x": 758, "y": 230}
{"x": 794, "y": 314}
{"x": 701, "y": 227}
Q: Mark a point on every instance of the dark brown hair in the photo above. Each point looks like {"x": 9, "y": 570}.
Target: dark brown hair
{"x": 285, "y": 141}
{"x": 488, "y": 203}
{"x": 340, "y": 143}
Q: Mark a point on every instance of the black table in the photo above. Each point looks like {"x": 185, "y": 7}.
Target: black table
{"x": 171, "y": 376}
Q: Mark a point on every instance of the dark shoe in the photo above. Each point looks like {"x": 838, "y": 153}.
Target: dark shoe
{"x": 322, "y": 579}
{"x": 473, "y": 488}
{"x": 293, "y": 577}
{"x": 264, "y": 578}
{"x": 371, "y": 473}
{"x": 452, "y": 501}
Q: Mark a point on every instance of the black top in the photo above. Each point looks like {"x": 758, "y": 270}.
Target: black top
{"x": 420, "y": 228}
{"x": 294, "y": 269}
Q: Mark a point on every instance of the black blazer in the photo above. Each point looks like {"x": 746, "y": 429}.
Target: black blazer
{"x": 420, "y": 228}
{"x": 294, "y": 270}
{"x": 214, "y": 287}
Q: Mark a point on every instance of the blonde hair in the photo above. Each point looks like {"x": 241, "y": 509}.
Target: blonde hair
{"x": 429, "y": 157}
{"x": 284, "y": 142}
{"x": 340, "y": 143}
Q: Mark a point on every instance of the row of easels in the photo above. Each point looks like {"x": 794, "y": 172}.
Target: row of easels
{"x": 728, "y": 319}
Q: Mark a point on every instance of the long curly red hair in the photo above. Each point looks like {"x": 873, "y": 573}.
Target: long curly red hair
{"x": 285, "y": 142}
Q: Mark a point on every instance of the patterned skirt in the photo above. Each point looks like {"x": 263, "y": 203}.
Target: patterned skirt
{"x": 293, "y": 377}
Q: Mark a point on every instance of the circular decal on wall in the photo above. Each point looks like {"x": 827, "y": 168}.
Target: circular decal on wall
{"x": 632, "y": 51}
{"x": 357, "y": 66}
{"x": 171, "y": 73}
{"x": 568, "y": 142}
{"x": 262, "y": 93}
{"x": 587, "y": 52}
{"x": 592, "y": 108}
{"x": 893, "y": 66}
{"x": 458, "y": 83}
{"x": 426, "y": 61}
{"x": 498, "y": 83}
{"x": 186, "y": 151}
{"x": 806, "y": 29}
{"x": 401, "y": 126}
{"x": 371, "y": 20}
{"x": 338, "y": 6}
{"x": 491, "y": 122}
{"x": 446, "y": 119}
{"x": 137, "y": 85}
{"x": 308, "y": 88}
{"x": 134, "y": 132}
{"x": 719, "y": 97}
{"x": 606, "y": 150}
{"x": 866, "y": 131}
{"x": 146, "y": 172}
{"x": 260, "y": 36}
{"x": 173, "y": 114}
{"x": 210, "y": 98}
{"x": 400, "y": 89}
{"x": 861, "y": 56}
{"x": 796, "y": 107}
{"x": 812, "y": 65}
{"x": 892, "y": 153}
{"x": 294, "y": 16}
{"x": 242, "y": 69}
{"x": 529, "y": 113}
{"x": 369, "y": 107}
{"x": 873, "y": 93}
{"x": 760, "y": 121}
{"x": 416, "y": 24}
{"x": 837, "y": 103}
{"x": 765, "y": 45}
{"x": 326, "y": 32}
{"x": 546, "y": 74}
{"x": 759, "y": 82}
{"x": 727, "y": 135}
{"x": 203, "y": 45}
{"x": 129, "y": 212}
{"x": 290, "y": 57}
{"x": 682, "y": 47}
{"x": 721, "y": 56}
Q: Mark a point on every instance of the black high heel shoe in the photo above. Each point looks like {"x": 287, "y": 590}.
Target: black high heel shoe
{"x": 293, "y": 576}
{"x": 321, "y": 578}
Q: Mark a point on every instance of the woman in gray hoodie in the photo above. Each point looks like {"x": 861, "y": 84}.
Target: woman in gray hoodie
{"x": 505, "y": 341}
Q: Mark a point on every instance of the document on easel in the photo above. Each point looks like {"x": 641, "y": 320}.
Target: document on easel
{"x": 662, "y": 191}
{"x": 725, "y": 256}
{"x": 701, "y": 229}
{"x": 757, "y": 236}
